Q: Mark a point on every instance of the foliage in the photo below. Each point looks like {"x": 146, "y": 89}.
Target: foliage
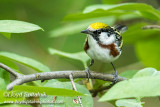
{"x": 81, "y": 56}
{"x": 128, "y": 103}
{"x": 138, "y": 9}
{"x": 68, "y": 101}
{"x": 48, "y": 90}
{"x": 138, "y": 87}
{"x": 13, "y": 26}
{"x": 25, "y": 61}
{"x": 5, "y": 78}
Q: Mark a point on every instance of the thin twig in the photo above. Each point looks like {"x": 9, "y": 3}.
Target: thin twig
{"x": 11, "y": 71}
{"x": 151, "y": 27}
{"x": 74, "y": 88}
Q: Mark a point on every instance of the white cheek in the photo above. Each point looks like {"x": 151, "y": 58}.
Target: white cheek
{"x": 105, "y": 39}
{"x": 103, "y": 36}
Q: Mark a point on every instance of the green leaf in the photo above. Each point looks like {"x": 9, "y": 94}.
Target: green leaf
{"x": 67, "y": 30}
{"x": 148, "y": 51}
{"x": 95, "y": 14}
{"x": 122, "y": 6}
{"x": 47, "y": 90}
{"x": 16, "y": 105}
{"x": 147, "y": 72}
{"x": 2, "y": 84}
{"x": 101, "y": 10}
{"x": 76, "y": 27}
{"x": 81, "y": 56}
{"x": 7, "y": 35}
{"x": 128, "y": 74}
{"x": 134, "y": 88}
{"x": 14, "y": 26}
{"x": 131, "y": 16}
{"x": 129, "y": 103}
{"x": 143, "y": 9}
{"x": 87, "y": 100}
{"x": 25, "y": 61}
{"x": 111, "y": 1}
{"x": 4, "y": 75}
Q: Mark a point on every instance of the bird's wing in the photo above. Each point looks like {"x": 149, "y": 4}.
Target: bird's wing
{"x": 119, "y": 40}
{"x": 120, "y": 28}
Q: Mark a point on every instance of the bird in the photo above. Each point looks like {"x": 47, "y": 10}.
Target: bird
{"x": 103, "y": 43}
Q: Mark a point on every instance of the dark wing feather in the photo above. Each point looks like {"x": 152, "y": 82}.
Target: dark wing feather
{"x": 119, "y": 40}
{"x": 120, "y": 28}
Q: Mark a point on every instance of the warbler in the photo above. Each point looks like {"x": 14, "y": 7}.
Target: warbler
{"x": 104, "y": 43}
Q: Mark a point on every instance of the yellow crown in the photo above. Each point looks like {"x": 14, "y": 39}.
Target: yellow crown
{"x": 98, "y": 25}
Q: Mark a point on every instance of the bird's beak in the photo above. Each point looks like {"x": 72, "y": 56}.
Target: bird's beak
{"x": 86, "y": 31}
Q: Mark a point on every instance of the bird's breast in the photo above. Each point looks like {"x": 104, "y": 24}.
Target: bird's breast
{"x": 98, "y": 51}
{"x": 112, "y": 47}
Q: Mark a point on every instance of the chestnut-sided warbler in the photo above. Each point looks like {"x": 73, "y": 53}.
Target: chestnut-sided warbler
{"x": 103, "y": 43}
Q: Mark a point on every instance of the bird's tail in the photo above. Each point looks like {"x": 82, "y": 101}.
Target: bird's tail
{"x": 120, "y": 28}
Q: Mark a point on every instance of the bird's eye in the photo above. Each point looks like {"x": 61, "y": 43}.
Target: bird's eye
{"x": 98, "y": 32}
{"x": 95, "y": 32}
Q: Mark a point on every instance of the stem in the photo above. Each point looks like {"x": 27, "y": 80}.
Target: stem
{"x": 151, "y": 27}
{"x": 74, "y": 88}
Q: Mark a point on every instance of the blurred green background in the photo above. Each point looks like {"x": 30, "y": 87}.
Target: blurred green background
{"x": 51, "y": 16}
{"x": 48, "y": 14}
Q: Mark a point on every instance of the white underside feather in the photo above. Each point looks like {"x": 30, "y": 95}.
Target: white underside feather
{"x": 98, "y": 53}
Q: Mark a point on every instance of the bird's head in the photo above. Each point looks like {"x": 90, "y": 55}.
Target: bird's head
{"x": 104, "y": 33}
{"x": 98, "y": 29}
{"x": 95, "y": 28}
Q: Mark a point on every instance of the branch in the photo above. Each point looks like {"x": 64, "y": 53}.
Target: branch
{"x": 55, "y": 75}
{"x": 60, "y": 74}
{"x": 151, "y": 27}
{"x": 11, "y": 71}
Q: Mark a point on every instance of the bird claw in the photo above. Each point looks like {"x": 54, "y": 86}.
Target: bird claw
{"x": 115, "y": 77}
{"x": 88, "y": 73}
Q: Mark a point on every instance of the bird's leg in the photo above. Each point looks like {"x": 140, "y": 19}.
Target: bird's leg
{"x": 88, "y": 70}
{"x": 115, "y": 74}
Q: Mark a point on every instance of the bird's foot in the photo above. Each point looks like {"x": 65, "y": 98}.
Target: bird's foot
{"x": 88, "y": 73}
{"x": 115, "y": 77}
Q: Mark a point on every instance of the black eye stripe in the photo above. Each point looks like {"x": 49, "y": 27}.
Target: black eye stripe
{"x": 97, "y": 32}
